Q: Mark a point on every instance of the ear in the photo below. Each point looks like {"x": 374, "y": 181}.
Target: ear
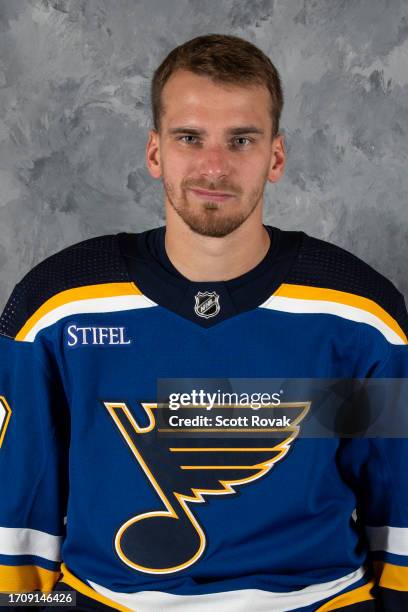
{"x": 153, "y": 154}
{"x": 278, "y": 159}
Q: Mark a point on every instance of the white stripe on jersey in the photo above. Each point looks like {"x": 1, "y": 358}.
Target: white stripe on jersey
{"x": 301, "y": 306}
{"x": 23, "y": 541}
{"x": 240, "y": 600}
{"x": 390, "y": 539}
{"x": 92, "y": 305}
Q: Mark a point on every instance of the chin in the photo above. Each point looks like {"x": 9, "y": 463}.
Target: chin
{"x": 214, "y": 228}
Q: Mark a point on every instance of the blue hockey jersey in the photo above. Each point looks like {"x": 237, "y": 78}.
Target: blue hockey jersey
{"x": 126, "y": 476}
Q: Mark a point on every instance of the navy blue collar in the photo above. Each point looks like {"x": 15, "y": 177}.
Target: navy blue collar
{"x": 210, "y": 302}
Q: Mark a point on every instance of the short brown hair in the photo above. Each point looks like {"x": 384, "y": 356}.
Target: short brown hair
{"x": 225, "y": 59}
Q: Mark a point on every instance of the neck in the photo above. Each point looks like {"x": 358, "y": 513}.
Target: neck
{"x": 203, "y": 258}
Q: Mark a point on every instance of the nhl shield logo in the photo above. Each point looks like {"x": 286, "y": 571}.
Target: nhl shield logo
{"x": 207, "y": 304}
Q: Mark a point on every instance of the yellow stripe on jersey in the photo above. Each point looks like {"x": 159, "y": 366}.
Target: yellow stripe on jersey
{"x": 321, "y": 294}
{"x": 5, "y": 414}
{"x": 391, "y": 576}
{"x": 83, "y": 588}
{"x": 358, "y": 595}
{"x": 88, "y": 292}
{"x": 24, "y": 578}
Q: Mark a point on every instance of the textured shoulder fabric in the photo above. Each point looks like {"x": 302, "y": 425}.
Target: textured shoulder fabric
{"x": 322, "y": 264}
{"x": 90, "y": 262}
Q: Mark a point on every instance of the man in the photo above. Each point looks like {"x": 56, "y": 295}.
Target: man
{"x": 117, "y": 352}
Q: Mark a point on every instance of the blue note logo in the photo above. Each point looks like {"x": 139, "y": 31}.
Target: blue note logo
{"x": 186, "y": 465}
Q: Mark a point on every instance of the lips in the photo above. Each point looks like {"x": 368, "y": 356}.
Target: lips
{"x": 212, "y": 195}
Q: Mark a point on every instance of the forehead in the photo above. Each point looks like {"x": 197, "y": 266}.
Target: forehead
{"x": 187, "y": 97}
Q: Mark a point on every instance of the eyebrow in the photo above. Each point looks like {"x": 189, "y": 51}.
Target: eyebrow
{"x": 235, "y": 131}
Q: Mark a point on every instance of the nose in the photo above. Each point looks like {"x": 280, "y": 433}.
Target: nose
{"x": 214, "y": 162}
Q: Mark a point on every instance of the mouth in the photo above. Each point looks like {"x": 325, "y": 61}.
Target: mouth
{"x": 215, "y": 196}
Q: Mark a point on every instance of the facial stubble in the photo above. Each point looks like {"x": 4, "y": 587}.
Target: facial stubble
{"x": 206, "y": 217}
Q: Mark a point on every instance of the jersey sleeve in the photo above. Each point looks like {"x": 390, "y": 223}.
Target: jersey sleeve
{"x": 33, "y": 466}
{"x": 378, "y": 465}
{"x": 385, "y": 506}
{"x": 34, "y": 414}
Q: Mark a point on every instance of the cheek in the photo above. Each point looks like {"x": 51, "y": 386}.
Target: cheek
{"x": 175, "y": 167}
{"x": 173, "y": 176}
{"x": 168, "y": 186}
{"x": 252, "y": 173}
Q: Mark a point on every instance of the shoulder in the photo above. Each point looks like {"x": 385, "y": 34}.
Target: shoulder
{"x": 326, "y": 272}
{"x": 87, "y": 263}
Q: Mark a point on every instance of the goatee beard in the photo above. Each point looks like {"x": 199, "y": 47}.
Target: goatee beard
{"x": 204, "y": 218}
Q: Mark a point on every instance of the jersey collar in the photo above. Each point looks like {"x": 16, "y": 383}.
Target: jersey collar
{"x": 211, "y": 302}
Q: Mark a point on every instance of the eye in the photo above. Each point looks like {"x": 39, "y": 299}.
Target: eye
{"x": 192, "y": 138}
{"x": 240, "y": 138}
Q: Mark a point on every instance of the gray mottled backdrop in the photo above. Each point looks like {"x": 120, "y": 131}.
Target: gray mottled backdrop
{"x": 74, "y": 115}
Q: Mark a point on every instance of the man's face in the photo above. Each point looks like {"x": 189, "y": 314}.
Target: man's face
{"x": 217, "y": 139}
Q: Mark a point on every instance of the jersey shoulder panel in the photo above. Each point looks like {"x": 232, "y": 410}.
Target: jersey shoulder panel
{"x": 321, "y": 264}
{"x": 90, "y": 262}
